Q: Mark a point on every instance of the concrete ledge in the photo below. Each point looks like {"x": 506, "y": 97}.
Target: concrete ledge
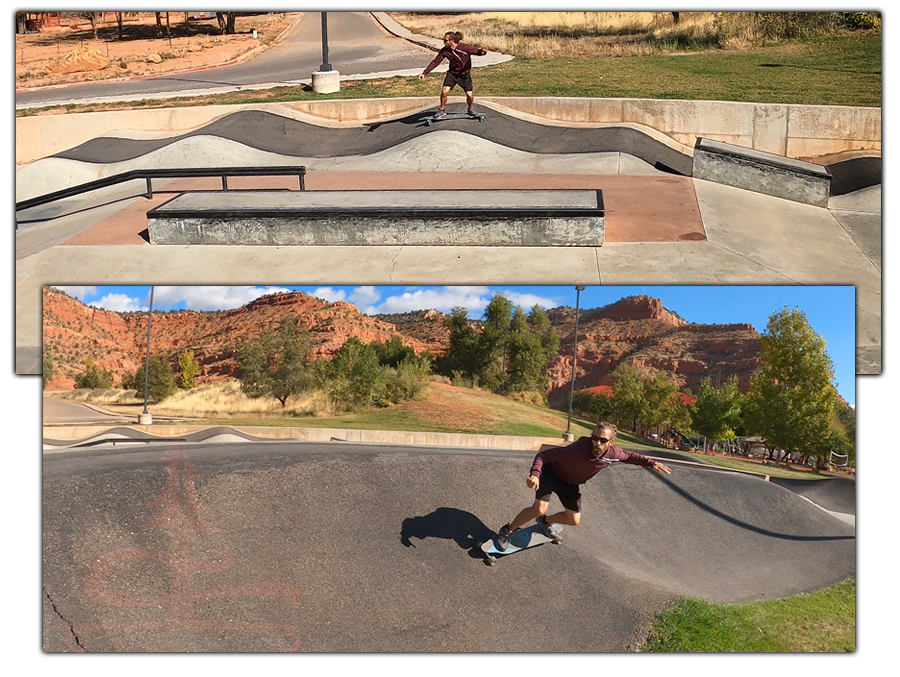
{"x": 762, "y": 172}
{"x": 443, "y": 217}
{"x": 76, "y": 434}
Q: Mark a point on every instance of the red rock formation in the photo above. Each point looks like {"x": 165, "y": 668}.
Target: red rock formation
{"x": 636, "y": 330}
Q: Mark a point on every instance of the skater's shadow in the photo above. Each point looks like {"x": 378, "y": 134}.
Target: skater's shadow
{"x": 460, "y": 526}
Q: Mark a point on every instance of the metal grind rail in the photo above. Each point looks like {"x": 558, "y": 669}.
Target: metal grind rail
{"x": 148, "y": 175}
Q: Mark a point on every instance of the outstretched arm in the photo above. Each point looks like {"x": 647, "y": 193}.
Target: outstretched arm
{"x": 660, "y": 467}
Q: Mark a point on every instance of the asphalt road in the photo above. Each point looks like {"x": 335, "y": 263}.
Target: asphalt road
{"x": 56, "y": 411}
{"x": 357, "y": 45}
{"x": 368, "y": 548}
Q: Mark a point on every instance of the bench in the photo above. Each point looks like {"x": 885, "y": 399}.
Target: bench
{"x": 538, "y": 218}
{"x": 762, "y": 172}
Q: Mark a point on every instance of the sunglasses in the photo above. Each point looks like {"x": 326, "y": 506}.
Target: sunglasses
{"x": 601, "y": 440}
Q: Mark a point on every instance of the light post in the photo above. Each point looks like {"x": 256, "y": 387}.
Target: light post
{"x": 325, "y": 65}
{"x": 568, "y": 436}
{"x": 146, "y": 418}
{"x": 325, "y": 80}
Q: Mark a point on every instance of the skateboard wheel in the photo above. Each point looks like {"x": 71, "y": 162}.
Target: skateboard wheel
{"x": 491, "y": 561}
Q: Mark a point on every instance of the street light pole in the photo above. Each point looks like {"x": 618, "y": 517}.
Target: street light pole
{"x": 568, "y": 436}
{"x": 325, "y": 67}
{"x": 326, "y": 80}
{"x": 145, "y": 418}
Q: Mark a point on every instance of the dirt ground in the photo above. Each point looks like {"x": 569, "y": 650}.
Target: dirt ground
{"x": 69, "y": 53}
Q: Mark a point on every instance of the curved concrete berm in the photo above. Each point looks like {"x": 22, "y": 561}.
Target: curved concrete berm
{"x": 273, "y": 133}
{"x": 337, "y": 547}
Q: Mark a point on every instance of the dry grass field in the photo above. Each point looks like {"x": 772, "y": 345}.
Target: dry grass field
{"x": 440, "y": 407}
{"x": 568, "y": 34}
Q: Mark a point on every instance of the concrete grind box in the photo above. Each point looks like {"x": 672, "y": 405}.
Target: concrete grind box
{"x": 762, "y": 172}
{"x": 539, "y": 218}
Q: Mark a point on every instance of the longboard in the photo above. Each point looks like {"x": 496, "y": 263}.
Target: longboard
{"x": 454, "y": 116}
{"x": 521, "y": 539}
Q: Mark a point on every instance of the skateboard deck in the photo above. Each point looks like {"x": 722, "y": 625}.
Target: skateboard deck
{"x": 454, "y": 116}
{"x": 521, "y": 539}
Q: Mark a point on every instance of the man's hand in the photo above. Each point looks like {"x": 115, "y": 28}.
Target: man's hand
{"x": 659, "y": 467}
{"x": 421, "y": 76}
{"x": 532, "y": 482}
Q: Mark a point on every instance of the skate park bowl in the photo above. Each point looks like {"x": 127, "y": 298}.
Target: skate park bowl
{"x": 347, "y": 547}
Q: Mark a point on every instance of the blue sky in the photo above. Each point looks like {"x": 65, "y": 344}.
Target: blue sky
{"x": 830, "y": 310}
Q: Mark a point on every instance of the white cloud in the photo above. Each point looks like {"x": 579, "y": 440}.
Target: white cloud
{"x": 80, "y": 293}
{"x": 210, "y": 297}
{"x": 527, "y": 301}
{"x": 120, "y": 303}
{"x": 329, "y": 294}
{"x": 444, "y": 299}
{"x": 362, "y": 296}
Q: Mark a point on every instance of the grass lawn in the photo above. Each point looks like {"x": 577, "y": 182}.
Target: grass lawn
{"x": 821, "y": 621}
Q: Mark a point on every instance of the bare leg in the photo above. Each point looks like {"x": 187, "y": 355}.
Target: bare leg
{"x": 445, "y": 92}
{"x": 470, "y": 99}
{"x": 569, "y": 517}
{"x": 532, "y": 512}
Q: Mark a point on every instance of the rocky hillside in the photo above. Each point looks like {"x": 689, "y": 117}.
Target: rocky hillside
{"x": 118, "y": 341}
{"x": 637, "y": 330}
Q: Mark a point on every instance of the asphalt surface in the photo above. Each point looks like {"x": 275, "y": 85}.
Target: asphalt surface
{"x": 74, "y": 412}
{"x": 369, "y": 548}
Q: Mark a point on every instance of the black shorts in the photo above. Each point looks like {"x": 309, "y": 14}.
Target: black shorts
{"x": 569, "y": 494}
{"x": 464, "y": 81}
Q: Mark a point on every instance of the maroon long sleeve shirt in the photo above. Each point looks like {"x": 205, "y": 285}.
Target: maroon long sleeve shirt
{"x": 460, "y": 59}
{"x": 576, "y": 463}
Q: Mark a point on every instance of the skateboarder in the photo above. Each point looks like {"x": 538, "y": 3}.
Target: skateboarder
{"x": 459, "y": 56}
{"x": 561, "y": 470}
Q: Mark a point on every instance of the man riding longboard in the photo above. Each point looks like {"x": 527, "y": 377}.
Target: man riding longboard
{"x": 459, "y": 57}
{"x": 562, "y": 471}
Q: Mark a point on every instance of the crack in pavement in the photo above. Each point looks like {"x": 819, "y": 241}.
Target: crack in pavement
{"x": 71, "y": 627}
{"x": 394, "y": 264}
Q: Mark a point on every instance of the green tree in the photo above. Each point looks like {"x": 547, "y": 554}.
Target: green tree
{"x": 593, "y": 406}
{"x": 188, "y": 369}
{"x": 662, "y": 403}
{"x": 46, "y": 370}
{"x": 540, "y": 327}
{"x": 392, "y": 352}
{"x": 462, "y": 356}
{"x": 717, "y": 412}
{"x": 509, "y": 355}
{"x": 628, "y": 396}
{"x": 160, "y": 380}
{"x": 92, "y": 377}
{"x": 274, "y": 364}
{"x": 792, "y": 397}
{"x": 500, "y": 322}
{"x": 353, "y": 378}
{"x": 408, "y": 379}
